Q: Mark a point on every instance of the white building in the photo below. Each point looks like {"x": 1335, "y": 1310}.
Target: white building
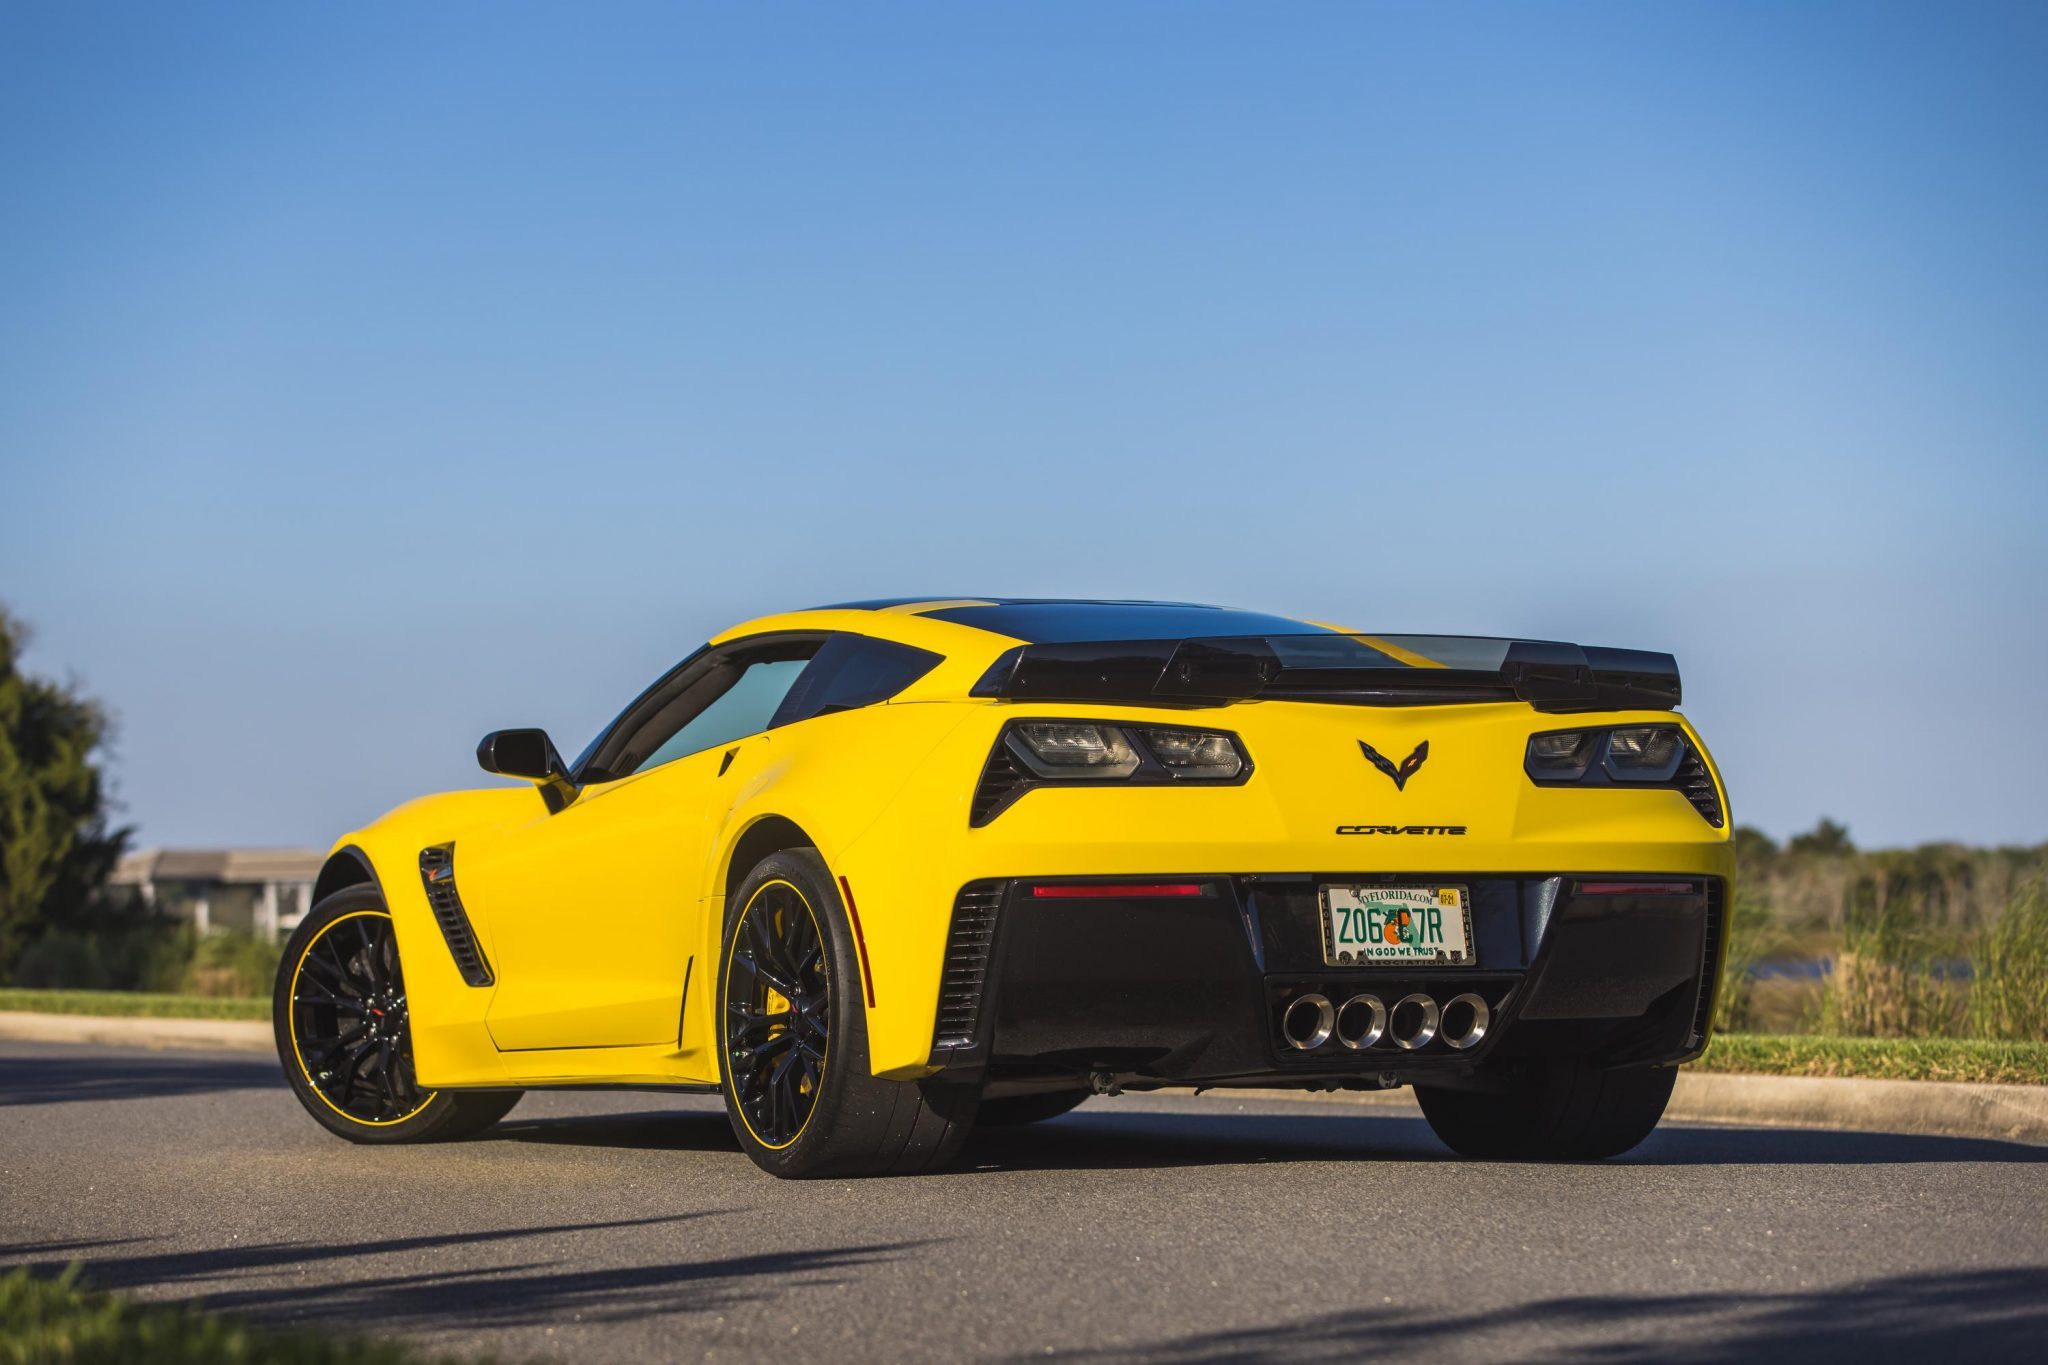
{"x": 262, "y": 891}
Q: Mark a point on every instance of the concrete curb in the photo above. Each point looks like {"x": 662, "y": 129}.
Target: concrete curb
{"x": 2011, "y": 1113}
{"x": 2014, "y": 1113}
{"x": 231, "y": 1035}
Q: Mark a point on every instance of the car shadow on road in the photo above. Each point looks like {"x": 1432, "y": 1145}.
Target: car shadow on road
{"x": 1733, "y": 1145}
{"x": 390, "y": 1281}
{"x": 1993, "y": 1314}
{"x": 71, "y": 1073}
{"x": 646, "y": 1131}
{"x": 1098, "y": 1137}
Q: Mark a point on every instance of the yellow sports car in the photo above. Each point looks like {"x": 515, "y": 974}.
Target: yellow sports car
{"x": 882, "y": 870}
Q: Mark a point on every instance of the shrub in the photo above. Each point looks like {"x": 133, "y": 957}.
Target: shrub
{"x": 153, "y": 955}
{"x": 230, "y": 964}
{"x": 64, "y": 961}
{"x": 2009, "y": 997}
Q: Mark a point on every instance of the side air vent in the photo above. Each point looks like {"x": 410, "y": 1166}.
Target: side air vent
{"x": 1710, "y": 963}
{"x": 966, "y": 971}
{"x": 1001, "y": 781}
{"x": 1698, "y": 785}
{"x": 437, "y": 873}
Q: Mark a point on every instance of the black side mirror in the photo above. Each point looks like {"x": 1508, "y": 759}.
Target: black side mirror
{"x": 529, "y": 754}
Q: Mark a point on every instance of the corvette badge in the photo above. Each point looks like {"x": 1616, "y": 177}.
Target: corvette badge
{"x": 1399, "y": 776}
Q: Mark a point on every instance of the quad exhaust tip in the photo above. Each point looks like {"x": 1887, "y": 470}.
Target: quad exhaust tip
{"x": 1308, "y": 1022}
{"x": 1465, "y": 1021}
{"x": 1361, "y": 1022}
{"x": 1413, "y": 1021}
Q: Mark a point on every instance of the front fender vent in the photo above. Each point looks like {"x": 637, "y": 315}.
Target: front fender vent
{"x": 437, "y": 874}
{"x": 965, "y": 978}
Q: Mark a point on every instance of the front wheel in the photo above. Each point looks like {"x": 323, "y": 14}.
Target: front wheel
{"x": 793, "y": 1035}
{"x": 1566, "y": 1111}
{"x": 345, "y": 1038}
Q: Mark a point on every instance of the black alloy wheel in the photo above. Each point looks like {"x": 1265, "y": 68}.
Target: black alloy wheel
{"x": 778, "y": 1004}
{"x": 792, "y": 1010}
{"x": 349, "y": 1024}
{"x": 342, "y": 1017}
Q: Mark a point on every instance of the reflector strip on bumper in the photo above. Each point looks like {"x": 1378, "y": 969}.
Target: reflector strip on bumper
{"x": 1117, "y": 890}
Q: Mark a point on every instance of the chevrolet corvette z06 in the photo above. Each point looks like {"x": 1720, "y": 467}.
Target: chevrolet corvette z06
{"x": 879, "y": 871}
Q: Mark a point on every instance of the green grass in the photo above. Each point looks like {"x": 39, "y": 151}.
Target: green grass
{"x": 46, "y": 1321}
{"x": 1897, "y": 1059}
{"x": 133, "y": 1004}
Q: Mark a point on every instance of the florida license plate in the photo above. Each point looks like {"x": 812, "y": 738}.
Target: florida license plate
{"x": 1412, "y": 926}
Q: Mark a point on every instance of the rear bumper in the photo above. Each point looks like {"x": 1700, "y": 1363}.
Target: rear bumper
{"x": 1146, "y": 990}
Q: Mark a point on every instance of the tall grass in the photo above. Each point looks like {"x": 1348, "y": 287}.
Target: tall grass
{"x": 1896, "y": 977}
{"x": 2009, "y": 996}
{"x": 1753, "y": 936}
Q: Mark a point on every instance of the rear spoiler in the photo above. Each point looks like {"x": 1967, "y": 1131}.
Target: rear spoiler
{"x": 1548, "y": 675}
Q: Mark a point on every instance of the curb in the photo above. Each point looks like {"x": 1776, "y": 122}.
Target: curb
{"x": 2010, "y": 1113}
{"x": 229, "y": 1035}
{"x": 2013, "y": 1113}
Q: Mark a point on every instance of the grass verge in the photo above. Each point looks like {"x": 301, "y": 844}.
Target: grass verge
{"x": 58, "y": 1322}
{"x": 133, "y": 1004}
{"x": 1891, "y": 1059}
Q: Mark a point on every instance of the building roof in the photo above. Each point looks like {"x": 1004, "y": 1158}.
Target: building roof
{"x": 230, "y": 865}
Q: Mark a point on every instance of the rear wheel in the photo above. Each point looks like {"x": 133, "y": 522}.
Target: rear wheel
{"x": 1568, "y": 1111}
{"x": 345, "y": 1038}
{"x": 793, "y": 1035}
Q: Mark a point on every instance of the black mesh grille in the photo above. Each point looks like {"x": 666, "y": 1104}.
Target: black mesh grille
{"x": 1710, "y": 963}
{"x": 966, "y": 972}
{"x": 1698, "y": 785}
{"x": 1000, "y": 780}
{"x": 437, "y": 873}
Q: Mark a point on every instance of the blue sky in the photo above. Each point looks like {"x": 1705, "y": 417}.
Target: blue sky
{"x": 374, "y": 375}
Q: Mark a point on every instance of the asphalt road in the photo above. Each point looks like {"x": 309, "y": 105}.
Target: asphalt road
{"x": 627, "y": 1226}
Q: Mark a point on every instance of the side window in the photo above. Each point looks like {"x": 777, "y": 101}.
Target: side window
{"x": 713, "y": 697}
{"x": 746, "y": 707}
{"x": 851, "y": 671}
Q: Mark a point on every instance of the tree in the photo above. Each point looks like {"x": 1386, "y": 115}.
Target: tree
{"x": 1826, "y": 838}
{"x": 56, "y": 847}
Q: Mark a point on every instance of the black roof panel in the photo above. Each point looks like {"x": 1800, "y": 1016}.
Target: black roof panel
{"x": 1055, "y": 621}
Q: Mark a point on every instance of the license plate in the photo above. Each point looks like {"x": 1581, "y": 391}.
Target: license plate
{"x": 1409, "y": 926}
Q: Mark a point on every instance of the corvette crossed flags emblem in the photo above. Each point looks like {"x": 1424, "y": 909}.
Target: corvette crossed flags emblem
{"x": 1399, "y": 776}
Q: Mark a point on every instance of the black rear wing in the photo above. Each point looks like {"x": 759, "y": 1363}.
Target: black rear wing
{"x": 1357, "y": 670}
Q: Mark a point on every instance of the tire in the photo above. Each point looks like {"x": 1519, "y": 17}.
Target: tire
{"x": 1014, "y": 1111}
{"x": 1569, "y": 1112}
{"x": 796, "y": 1080}
{"x": 343, "y": 1034}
